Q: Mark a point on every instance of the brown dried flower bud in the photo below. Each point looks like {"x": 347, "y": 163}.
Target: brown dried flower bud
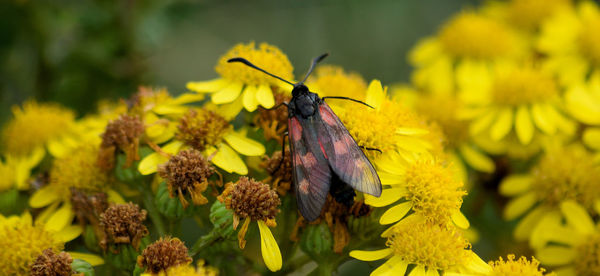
{"x": 123, "y": 133}
{"x": 187, "y": 173}
{"x": 50, "y": 263}
{"x": 123, "y": 223}
{"x": 200, "y": 128}
{"x": 280, "y": 173}
{"x": 274, "y": 121}
{"x": 250, "y": 198}
{"x": 88, "y": 207}
{"x": 163, "y": 254}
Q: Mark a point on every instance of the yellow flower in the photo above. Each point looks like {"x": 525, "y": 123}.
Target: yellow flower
{"x": 425, "y": 186}
{"x": 77, "y": 170}
{"x": 255, "y": 201}
{"x": 563, "y": 173}
{"x": 573, "y": 248}
{"x": 208, "y": 132}
{"x": 517, "y": 97}
{"x": 330, "y": 80}
{"x": 571, "y": 42}
{"x": 255, "y": 87}
{"x": 583, "y": 100}
{"x": 512, "y": 267}
{"x": 188, "y": 270}
{"x": 22, "y": 241}
{"x": 467, "y": 42}
{"x": 433, "y": 249}
{"x": 527, "y": 15}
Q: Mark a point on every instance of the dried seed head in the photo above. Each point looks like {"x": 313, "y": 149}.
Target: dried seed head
{"x": 123, "y": 223}
{"x": 123, "y": 133}
{"x": 187, "y": 173}
{"x": 250, "y": 198}
{"x": 274, "y": 122}
{"x": 163, "y": 254}
{"x": 88, "y": 207}
{"x": 280, "y": 172}
{"x": 50, "y": 263}
{"x": 200, "y": 128}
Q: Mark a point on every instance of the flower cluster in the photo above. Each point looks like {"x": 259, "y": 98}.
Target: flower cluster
{"x": 502, "y": 110}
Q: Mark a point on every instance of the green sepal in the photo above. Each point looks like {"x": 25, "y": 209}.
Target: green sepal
{"x": 131, "y": 173}
{"x": 317, "y": 242}
{"x": 8, "y": 201}
{"x": 80, "y": 266}
{"x": 90, "y": 240}
{"x": 124, "y": 256}
{"x": 222, "y": 219}
{"x": 169, "y": 206}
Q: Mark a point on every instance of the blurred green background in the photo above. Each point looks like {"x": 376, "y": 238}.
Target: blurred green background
{"x": 75, "y": 52}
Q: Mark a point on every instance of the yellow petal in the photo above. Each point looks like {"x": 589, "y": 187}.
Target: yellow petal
{"x": 526, "y": 224}
{"x": 149, "y": 164}
{"x": 431, "y": 272}
{"x": 207, "y": 86}
{"x": 482, "y": 123}
{"x": 244, "y": 145}
{"x": 393, "y": 266}
{"x": 395, "y": 213}
{"x": 577, "y": 217}
{"x": 542, "y": 119}
{"x": 565, "y": 271}
{"x": 411, "y": 131}
{"x": 269, "y": 248}
{"x": 375, "y": 94}
{"x": 389, "y": 178}
{"x": 371, "y": 255}
{"x": 231, "y": 110}
{"x": 591, "y": 138}
{"x": 542, "y": 232}
{"x": 515, "y": 184}
{"x": 519, "y": 205}
{"x": 63, "y": 216}
{"x": 187, "y": 98}
{"x": 460, "y": 220}
{"x": 582, "y": 105}
{"x": 523, "y": 125}
{"x": 249, "y": 98}
{"x": 418, "y": 270}
{"x": 228, "y": 93}
{"x": 388, "y": 196}
{"x": 555, "y": 255}
{"x": 45, "y": 214}
{"x": 503, "y": 124}
{"x": 227, "y": 159}
{"x": 92, "y": 259}
{"x": 476, "y": 159}
{"x": 115, "y": 197}
{"x": 264, "y": 96}
{"x": 44, "y": 196}
{"x": 68, "y": 233}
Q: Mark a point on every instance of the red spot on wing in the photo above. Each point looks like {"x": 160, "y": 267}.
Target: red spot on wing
{"x": 309, "y": 160}
{"x": 340, "y": 147}
{"x": 295, "y": 129}
{"x": 323, "y": 149}
{"x": 303, "y": 187}
{"x": 327, "y": 115}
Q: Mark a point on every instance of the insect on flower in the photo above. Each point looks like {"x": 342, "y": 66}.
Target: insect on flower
{"x": 322, "y": 148}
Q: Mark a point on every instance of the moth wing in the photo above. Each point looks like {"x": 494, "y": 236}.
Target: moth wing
{"x": 345, "y": 157}
{"x": 311, "y": 172}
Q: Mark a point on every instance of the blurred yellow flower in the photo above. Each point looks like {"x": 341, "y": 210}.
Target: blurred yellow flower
{"x": 208, "y": 132}
{"x": 583, "y": 100}
{"x": 525, "y": 15}
{"x": 572, "y": 248}
{"x": 563, "y": 173}
{"x": 255, "y": 87}
{"x": 432, "y": 249}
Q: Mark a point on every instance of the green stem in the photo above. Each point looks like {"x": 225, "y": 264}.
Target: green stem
{"x": 155, "y": 216}
{"x": 295, "y": 264}
{"x": 323, "y": 269}
{"x": 204, "y": 241}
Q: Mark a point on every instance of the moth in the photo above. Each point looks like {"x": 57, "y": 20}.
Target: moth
{"x": 323, "y": 151}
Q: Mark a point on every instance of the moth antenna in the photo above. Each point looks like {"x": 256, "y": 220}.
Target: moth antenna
{"x": 313, "y": 64}
{"x": 245, "y": 61}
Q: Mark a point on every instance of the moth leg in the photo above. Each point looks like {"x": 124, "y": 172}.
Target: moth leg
{"x": 346, "y": 98}
{"x": 367, "y": 148}
{"x": 282, "y": 153}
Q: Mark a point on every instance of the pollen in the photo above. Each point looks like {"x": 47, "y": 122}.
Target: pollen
{"x": 78, "y": 170}
{"x": 520, "y": 267}
{"x": 433, "y": 190}
{"x": 330, "y": 80}
{"x": 531, "y": 13}
{"x": 588, "y": 254}
{"x": 33, "y": 125}
{"x": 124, "y": 134}
{"x": 50, "y": 263}
{"x": 567, "y": 173}
{"x": 249, "y": 198}
{"x": 187, "y": 174}
{"x": 471, "y": 35}
{"x": 201, "y": 128}
{"x": 164, "y": 254}
{"x": 441, "y": 109}
{"x": 523, "y": 86}
{"x": 430, "y": 245}
{"x": 123, "y": 224}
{"x": 22, "y": 243}
{"x": 589, "y": 41}
{"x": 377, "y": 128}
{"x": 265, "y": 56}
